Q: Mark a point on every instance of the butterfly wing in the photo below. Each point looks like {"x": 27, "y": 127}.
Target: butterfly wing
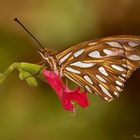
{"x": 101, "y": 66}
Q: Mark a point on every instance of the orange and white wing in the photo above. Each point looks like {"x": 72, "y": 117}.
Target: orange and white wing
{"x": 101, "y": 66}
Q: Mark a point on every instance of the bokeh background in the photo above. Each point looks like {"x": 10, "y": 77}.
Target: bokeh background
{"x": 35, "y": 113}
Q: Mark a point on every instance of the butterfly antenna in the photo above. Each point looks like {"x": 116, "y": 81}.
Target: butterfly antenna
{"x": 28, "y": 32}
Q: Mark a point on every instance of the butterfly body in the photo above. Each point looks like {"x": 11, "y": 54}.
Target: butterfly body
{"x": 100, "y": 66}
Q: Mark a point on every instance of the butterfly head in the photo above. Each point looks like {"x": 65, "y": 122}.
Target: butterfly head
{"x": 48, "y": 58}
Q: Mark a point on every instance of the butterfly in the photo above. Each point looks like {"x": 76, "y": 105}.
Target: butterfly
{"x": 100, "y": 66}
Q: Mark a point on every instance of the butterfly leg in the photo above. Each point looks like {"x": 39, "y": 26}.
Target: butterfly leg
{"x": 67, "y": 83}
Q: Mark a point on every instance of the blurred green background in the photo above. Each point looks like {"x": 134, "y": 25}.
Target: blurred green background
{"x": 29, "y": 113}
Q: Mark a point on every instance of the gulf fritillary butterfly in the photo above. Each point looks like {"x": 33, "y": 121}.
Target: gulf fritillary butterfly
{"x": 100, "y": 66}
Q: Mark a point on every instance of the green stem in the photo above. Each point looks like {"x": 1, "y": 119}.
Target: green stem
{"x": 8, "y": 71}
{"x": 27, "y": 71}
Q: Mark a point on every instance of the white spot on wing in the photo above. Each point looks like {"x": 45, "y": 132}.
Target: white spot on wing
{"x": 87, "y": 78}
{"x": 103, "y": 71}
{"x": 108, "y": 52}
{"x": 64, "y": 58}
{"x": 110, "y": 100}
{"x": 82, "y": 64}
{"x": 123, "y": 75}
{"x": 118, "y": 88}
{"x": 134, "y": 57}
{"x": 119, "y": 83}
{"x": 121, "y": 78}
{"x": 94, "y": 54}
{"x": 129, "y": 67}
{"x": 117, "y": 67}
{"x": 106, "y": 98}
{"x": 92, "y": 43}
{"x": 114, "y": 44}
{"x": 124, "y": 65}
{"x": 105, "y": 90}
{"x": 133, "y": 44}
{"x": 101, "y": 79}
{"x": 72, "y": 70}
{"x": 79, "y": 52}
{"x": 116, "y": 94}
{"x": 88, "y": 89}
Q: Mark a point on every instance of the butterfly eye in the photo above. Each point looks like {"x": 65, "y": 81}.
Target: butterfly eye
{"x": 45, "y": 53}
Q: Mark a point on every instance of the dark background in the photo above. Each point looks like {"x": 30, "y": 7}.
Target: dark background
{"x": 29, "y": 113}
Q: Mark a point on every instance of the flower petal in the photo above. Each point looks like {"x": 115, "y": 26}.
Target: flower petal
{"x": 66, "y": 95}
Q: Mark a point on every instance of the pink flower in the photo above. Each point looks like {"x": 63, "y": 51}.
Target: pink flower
{"x": 66, "y": 95}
